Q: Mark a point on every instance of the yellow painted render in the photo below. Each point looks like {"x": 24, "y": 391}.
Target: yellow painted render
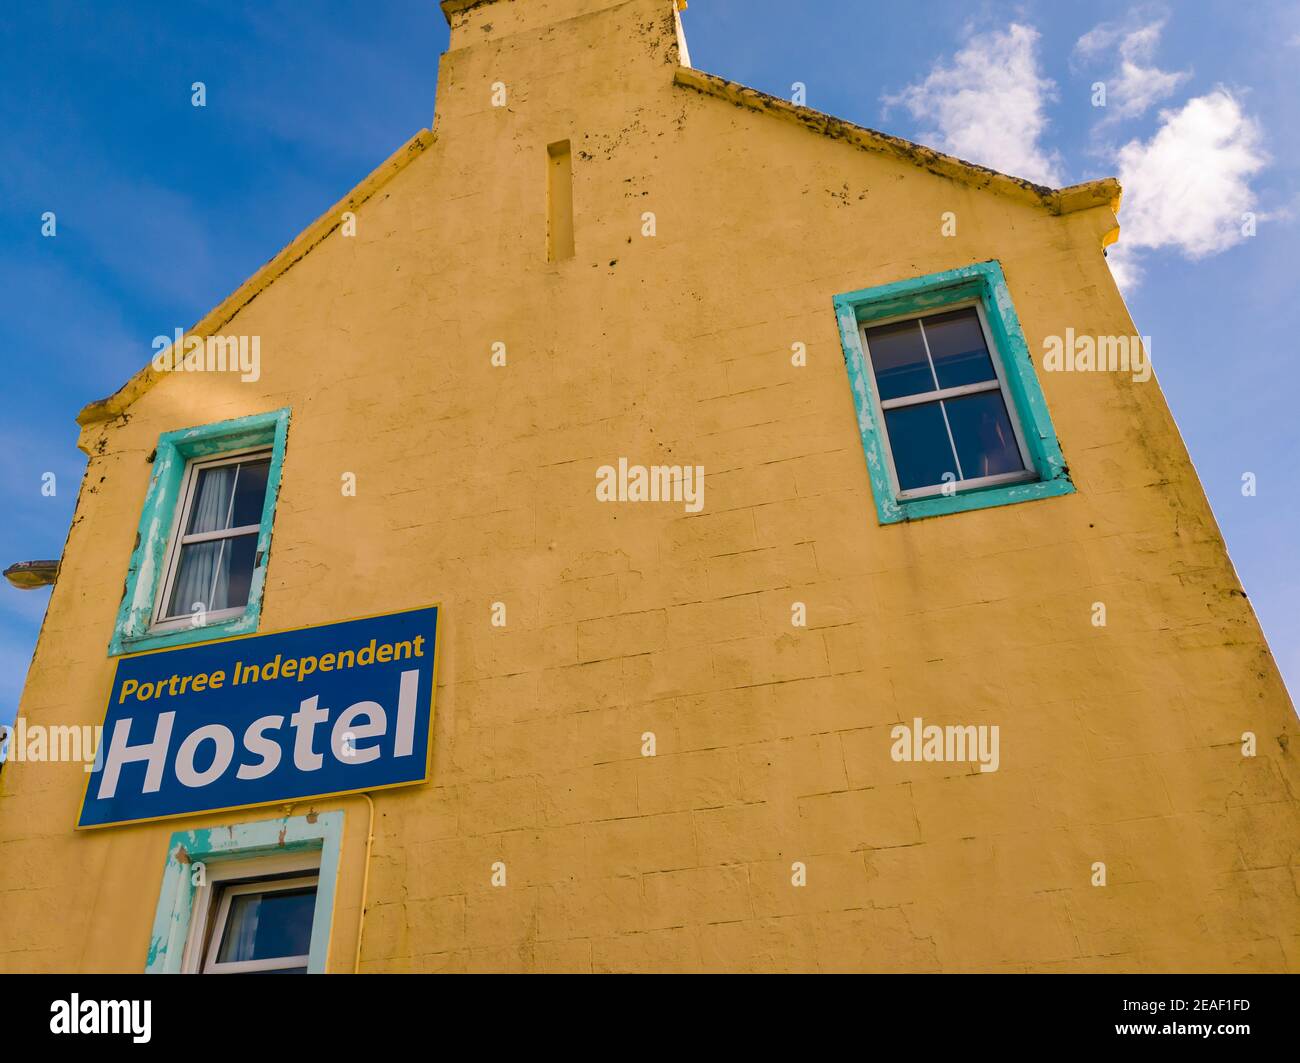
{"x": 475, "y": 484}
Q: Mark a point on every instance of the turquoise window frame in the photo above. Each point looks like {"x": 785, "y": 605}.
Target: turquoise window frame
{"x": 175, "y": 451}
{"x": 919, "y": 295}
{"x": 321, "y": 832}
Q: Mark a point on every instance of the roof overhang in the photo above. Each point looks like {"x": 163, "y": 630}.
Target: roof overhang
{"x": 1100, "y": 193}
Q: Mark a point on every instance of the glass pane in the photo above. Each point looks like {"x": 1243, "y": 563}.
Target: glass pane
{"x": 958, "y": 349}
{"x": 250, "y": 493}
{"x": 982, "y": 431}
{"x": 263, "y": 926}
{"x": 230, "y": 561}
{"x": 919, "y": 442}
{"x": 237, "y": 572}
{"x": 211, "y": 499}
{"x": 193, "y": 584}
{"x": 898, "y": 358}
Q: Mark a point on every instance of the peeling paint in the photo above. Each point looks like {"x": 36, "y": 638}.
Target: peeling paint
{"x": 237, "y": 841}
{"x": 918, "y": 294}
{"x": 174, "y": 450}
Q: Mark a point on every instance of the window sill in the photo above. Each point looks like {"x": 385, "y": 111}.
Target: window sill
{"x": 896, "y": 512}
{"x": 244, "y": 624}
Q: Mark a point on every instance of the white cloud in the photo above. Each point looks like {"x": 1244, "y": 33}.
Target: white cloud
{"x": 1139, "y": 83}
{"x": 1189, "y": 185}
{"x": 988, "y": 105}
{"x": 1097, "y": 39}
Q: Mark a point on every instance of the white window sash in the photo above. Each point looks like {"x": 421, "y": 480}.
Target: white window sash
{"x": 1028, "y": 474}
{"x": 1023, "y": 476}
{"x": 237, "y": 868}
{"x": 220, "y": 925}
{"x": 225, "y": 533}
{"x": 178, "y": 539}
{"x": 942, "y": 393}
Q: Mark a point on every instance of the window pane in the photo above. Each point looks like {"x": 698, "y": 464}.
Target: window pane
{"x": 958, "y": 349}
{"x": 214, "y": 574}
{"x": 193, "y": 583}
{"x": 982, "y": 431}
{"x": 250, "y": 493}
{"x": 263, "y": 926}
{"x": 919, "y": 442}
{"x": 237, "y": 573}
{"x": 898, "y": 358}
{"x": 211, "y": 499}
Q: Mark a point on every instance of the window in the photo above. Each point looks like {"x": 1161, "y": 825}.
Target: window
{"x": 263, "y": 928}
{"x": 213, "y": 552}
{"x": 944, "y": 403}
{"x": 951, "y": 414}
{"x": 204, "y": 539}
{"x": 248, "y": 898}
{"x": 250, "y": 922}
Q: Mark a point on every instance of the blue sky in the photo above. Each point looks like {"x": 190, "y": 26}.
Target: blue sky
{"x": 164, "y": 208}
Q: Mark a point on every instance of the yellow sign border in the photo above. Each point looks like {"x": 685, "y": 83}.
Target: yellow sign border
{"x": 428, "y": 765}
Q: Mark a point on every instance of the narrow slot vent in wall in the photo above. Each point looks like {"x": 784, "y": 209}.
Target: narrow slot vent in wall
{"x": 559, "y": 201}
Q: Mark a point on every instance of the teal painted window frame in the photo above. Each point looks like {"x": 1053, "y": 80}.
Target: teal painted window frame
{"x": 176, "y": 450}
{"x": 321, "y": 832}
{"x": 985, "y": 282}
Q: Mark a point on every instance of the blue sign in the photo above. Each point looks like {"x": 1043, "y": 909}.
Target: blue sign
{"x": 267, "y": 719}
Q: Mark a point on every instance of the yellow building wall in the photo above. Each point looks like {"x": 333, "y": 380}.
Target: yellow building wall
{"x": 475, "y": 485}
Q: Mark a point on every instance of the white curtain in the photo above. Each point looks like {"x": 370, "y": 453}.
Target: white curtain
{"x": 201, "y": 562}
{"x": 241, "y": 928}
{"x": 213, "y": 502}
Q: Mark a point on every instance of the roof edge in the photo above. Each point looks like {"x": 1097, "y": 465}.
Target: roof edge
{"x": 107, "y": 408}
{"x": 1102, "y": 192}
{"x": 455, "y": 7}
